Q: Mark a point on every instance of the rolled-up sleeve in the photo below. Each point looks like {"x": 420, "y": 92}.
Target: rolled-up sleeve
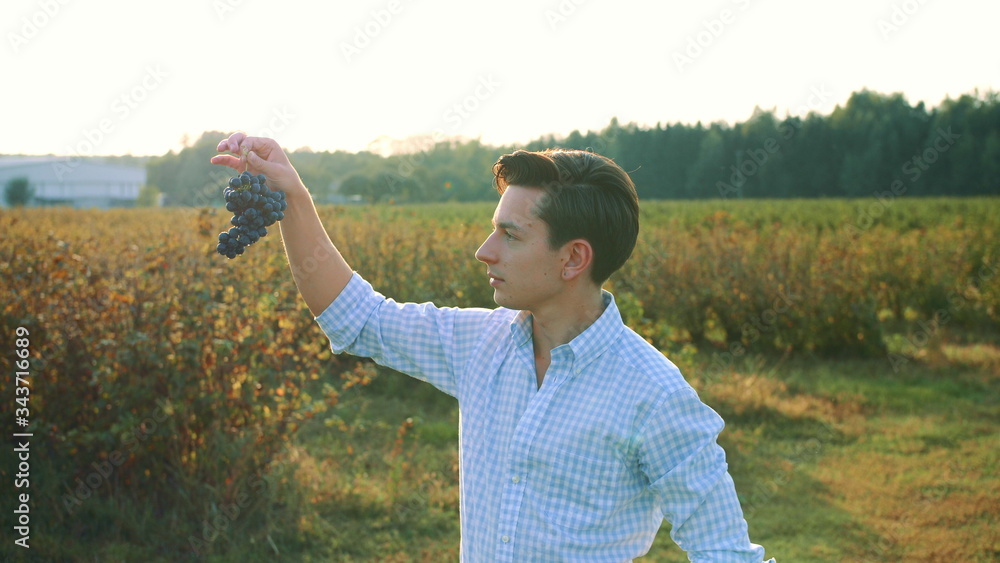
{"x": 687, "y": 470}
{"x": 422, "y": 340}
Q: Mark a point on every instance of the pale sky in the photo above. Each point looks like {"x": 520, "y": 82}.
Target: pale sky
{"x": 116, "y": 76}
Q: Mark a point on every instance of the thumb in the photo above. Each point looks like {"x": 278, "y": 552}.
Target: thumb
{"x": 279, "y": 175}
{"x": 263, "y": 166}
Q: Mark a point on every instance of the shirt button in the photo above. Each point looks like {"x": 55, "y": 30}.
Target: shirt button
{"x": 505, "y": 538}
{"x": 515, "y": 479}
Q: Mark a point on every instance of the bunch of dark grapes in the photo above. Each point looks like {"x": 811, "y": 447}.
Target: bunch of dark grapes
{"x": 255, "y": 207}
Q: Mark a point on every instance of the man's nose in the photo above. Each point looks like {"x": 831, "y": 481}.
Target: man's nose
{"x": 485, "y": 253}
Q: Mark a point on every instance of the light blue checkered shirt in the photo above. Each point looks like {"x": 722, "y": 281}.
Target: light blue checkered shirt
{"x": 584, "y": 468}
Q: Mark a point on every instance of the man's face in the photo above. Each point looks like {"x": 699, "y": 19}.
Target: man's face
{"x": 524, "y": 271}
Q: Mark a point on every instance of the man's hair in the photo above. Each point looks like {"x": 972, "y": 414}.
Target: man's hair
{"x": 586, "y": 196}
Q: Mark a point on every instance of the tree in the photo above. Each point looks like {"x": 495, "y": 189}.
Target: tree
{"x": 18, "y": 192}
{"x": 149, "y": 196}
{"x": 857, "y": 150}
{"x": 709, "y": 176}
{"x": 359, "y": 184}
{"x": 187, "y": 177}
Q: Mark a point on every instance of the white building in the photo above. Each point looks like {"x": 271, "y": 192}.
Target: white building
{"x": 74, "y": 182}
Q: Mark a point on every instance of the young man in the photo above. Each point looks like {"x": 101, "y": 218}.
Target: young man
{"x": 577, "y": 438}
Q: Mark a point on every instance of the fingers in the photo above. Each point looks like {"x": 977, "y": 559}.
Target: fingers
{"x": 258, "y": 155}
{"x": 227, "y": 160}
{"x": 239, "y": 144}
{"x": 238, "y": 163}
{"x": 232, "y": 144}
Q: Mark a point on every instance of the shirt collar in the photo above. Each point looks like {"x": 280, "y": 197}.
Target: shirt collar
{"x": 589, "y": 344}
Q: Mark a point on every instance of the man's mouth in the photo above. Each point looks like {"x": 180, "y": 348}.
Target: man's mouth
{"x": 494, "y": 279}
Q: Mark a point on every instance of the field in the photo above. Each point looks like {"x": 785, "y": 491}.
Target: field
{"x": 186, "y": 407}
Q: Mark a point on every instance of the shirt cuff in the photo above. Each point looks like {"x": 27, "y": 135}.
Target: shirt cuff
{"x": 343, "y": 320}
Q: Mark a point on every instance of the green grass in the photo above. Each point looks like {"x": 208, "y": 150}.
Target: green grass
{"x": 848, "y": 461}
{"x": 833, "y": 461}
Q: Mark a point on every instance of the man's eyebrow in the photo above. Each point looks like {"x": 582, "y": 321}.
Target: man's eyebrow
{"x": 508, "y": 226}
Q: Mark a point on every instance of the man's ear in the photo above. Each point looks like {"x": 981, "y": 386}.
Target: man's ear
{"x": 579, "y": 259}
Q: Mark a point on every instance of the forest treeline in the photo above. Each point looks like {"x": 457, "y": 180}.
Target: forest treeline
{"x": 874, "y": 145}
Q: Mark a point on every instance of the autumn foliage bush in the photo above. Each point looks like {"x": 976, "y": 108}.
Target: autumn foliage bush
{"x": 162, "y": 375}
{"x": 167, "y": 378}
{"x": 775, "y": 287}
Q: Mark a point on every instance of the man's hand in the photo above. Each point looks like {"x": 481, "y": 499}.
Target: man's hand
{"x": 260, "y": 155}
{"x": 320, "y": 271}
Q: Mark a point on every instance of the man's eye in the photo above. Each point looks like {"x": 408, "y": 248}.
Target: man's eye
{"x": 509, "y": 236}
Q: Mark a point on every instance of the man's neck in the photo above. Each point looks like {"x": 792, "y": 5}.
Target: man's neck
{"x": 561, "y": 323}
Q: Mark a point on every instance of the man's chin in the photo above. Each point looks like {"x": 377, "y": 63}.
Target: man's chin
{"x": 504, "y": 300}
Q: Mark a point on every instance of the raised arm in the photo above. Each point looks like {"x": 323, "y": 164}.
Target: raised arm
{"x": 320, "y": 272}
